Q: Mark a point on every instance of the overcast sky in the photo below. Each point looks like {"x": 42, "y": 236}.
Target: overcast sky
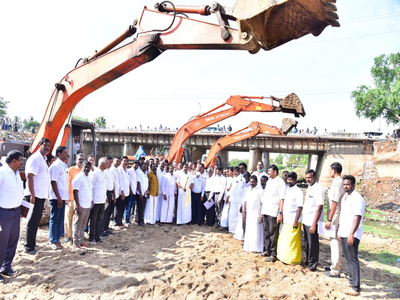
{"x": 42, "y": 40}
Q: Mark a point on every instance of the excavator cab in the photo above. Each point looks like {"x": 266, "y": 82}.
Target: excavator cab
{"x": 276, "y": 22}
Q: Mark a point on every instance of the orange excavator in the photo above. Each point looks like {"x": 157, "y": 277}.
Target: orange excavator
{"x": 290, "y": 104}
{"x": 263, "y": 24}
{"x": 243, "y": 134}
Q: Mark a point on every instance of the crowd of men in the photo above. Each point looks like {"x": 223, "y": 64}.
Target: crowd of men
{"x": 261, "y": 209}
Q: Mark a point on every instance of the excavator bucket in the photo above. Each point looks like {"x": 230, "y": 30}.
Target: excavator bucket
{"x": 287, "y": 125}
{"x": 275, "y": 22}
{"x": 291, "y": 104}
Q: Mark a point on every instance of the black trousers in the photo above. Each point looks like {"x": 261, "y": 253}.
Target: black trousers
{"x": 312, "y": 247}
{"x": 271, "y": 234}
{"x": 108, "y": 211}
{"x": 33, "y": 224}
{"x": 197, "y": 209}
{"x": 119, "y": 211}
{"x": 210, "y": 213}
{"x": 96, "y": 222}
{"x": 218, "y": 208}
{"x": 351, "y": 255}
{"x": 141, "y": 205}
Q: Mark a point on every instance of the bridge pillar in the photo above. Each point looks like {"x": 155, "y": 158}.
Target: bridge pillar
{"x": 127, "y": 148}
{"x": 223, "y": 155}
{"x": 320, "y": 163}
{"x": 265, "y": 159}
{"x": 255, "y": 156}
{"x": 197, "y": 154}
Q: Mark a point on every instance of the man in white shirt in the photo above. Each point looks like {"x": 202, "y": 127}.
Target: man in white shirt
{"x": 142, "y": 192}
{"x": 253, "y": 240}
{"x": 110, "y": 197}
{"x": 259, "y": 172}
{"x": 242, "y": 168}
{"x": 11, "y": 194}
{"x": 272, "y": 206}
{"x": 82, "y": 189}
{"x": 58, "y": 196}
{"x": 114, "y": 173}
{"x": 161, "y": 171}
{"x": 38, "y": 181}
{"x": 210, "y": 213}
{"x": 197, "y": 199}
{"x": 335, "y": 195}
{"x": 184, "y": 182}
{"x": 235, "y": 198}
{"x": 351, "y": 230}
{"x": 76, "y": 146}
{"x": 312, "y": 214}
{"x": 131, "y": 199}
{"x": 124, "y": 190}
{"x": 289, "y": 243}
{"x": 168, "y": 187}
{"x": 217, "y": 194}
{"x": 98, "y": 180}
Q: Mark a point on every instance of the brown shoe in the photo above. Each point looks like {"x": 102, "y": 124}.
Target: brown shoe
{"x": 352, "y": 293}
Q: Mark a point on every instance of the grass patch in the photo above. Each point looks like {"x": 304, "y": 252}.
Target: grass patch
{"x": 374, "y": 214}
{"x": 387, "y": 231}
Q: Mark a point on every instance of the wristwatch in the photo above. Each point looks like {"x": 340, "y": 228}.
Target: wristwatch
{"x": 329, "y": 220}
{"x": 281, "y": 213}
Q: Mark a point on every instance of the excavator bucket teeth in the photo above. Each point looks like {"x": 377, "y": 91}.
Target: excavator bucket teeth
{"x": 287, "y": 125}
{"x": 291, "y": 104}
{"x": 276, "y": 22}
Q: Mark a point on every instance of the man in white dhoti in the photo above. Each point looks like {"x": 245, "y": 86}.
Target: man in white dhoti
{"x": 151, "y": 205}
{"x": 184, "y": 182}
{"x": 241, "y": 223}
{"x": 168, "y": 203}
{"x": 253, "y": 240}
{"x": 160, "y": 175}
{"x": 237, "y": 186}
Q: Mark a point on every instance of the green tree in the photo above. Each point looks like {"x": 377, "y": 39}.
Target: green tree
{"x": 236, "y": 161}
{"x": 31, "y": 122}
{"x": 17, "y": 119}
{"x": 81, "y": 119}
{"x": 100, "y": 122}
{"x": 279, "y": 159}
{"x": 384, "y": 98}
{"x": 3, "y": 107}
{"x": 297, "y": 160}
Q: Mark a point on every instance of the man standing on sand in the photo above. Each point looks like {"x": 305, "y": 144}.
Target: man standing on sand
{"x": 69, "y": 205}
{"x": 124, "y": 190}
{"x": 272, "y": 212}
{"x": 58, "y": 196}
{"x": 217, "y": 194}
{"x": 150, "y": 213}
{"x": 142, "y": 192}
{"x": 11, "y": 194}
{"x": 131, "y": 200}
{"x": 312, "y": 214}
{"x": 259, "y": 172}
{"x": 335, "y": 195}
{"x": 38, "y": 181}
{"x": 82, "y": 188}
{"x": 210, "y": 213}
{"x": 110, "y": 198}
{"x": 235, "y": 199}
{"x": 184, "y": 182}
{"x": 167, "y": 206}
{"x": 289, "y": 243}
{"x": 98, "y": 180}
{"x": 197, "y": 199}
{"x": 114, "y": 173}
{"x": 351, "y": 230}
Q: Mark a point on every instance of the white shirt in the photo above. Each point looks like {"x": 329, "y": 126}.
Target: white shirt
{"x": 182, "y": 179}
{"x": 246, "y": 189}
{"x": 273, "y": 193}
{"x": 36, "y": 165}
{"x": 259, "y": 175}
{"x": 98, "y": 180}
{"x": 11, "y": 188}
{"x": 218, "y": 186}
{"x": 335, "y": 194}
{"x": 315, "y": 196}
{"x": 169, "y": 184}
{"x": 253, "y": 199}
{"x": 76, "y": 147}
{"x": 58, "y": 173}
{"x": 237, "y": 189}
{"x": 123, "y": 181}
{"x": 109, "y": 180}
{"x": 144, "y": 182}
{"x": 132, "y": 179}
{"x": 82, "y": 183}
{"x": 208, "y": 184}
{"x": 293, "y": 200}
{"x": 160, "y": 176}
{"x": 353, "y": 205}
{"x": 115, "y": 177}
{"x": 198, "y": 185}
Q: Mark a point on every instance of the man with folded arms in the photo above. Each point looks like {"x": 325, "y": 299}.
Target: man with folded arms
{"x": 168, "y": 187}
{"x": 11, "y": 194}
{"x": 150, "y": 213}
{"x": 82, "y": 188}
{"x": 38, "y": 181}
{"x": 58, "y": 196}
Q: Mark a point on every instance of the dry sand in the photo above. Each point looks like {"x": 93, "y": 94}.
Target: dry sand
{"x": 176, "y": 262}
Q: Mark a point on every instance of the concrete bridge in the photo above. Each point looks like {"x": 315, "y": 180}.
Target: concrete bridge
{"x": 351, "y": 152}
